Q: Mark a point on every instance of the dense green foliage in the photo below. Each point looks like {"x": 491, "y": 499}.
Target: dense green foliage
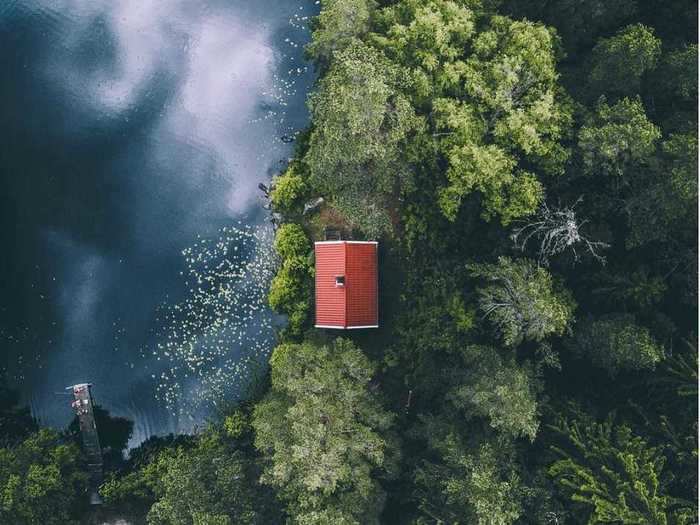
{"x": 530, "y": 168}
{"x": 288, "y": 190}
{"x": 617, "y": 139}
{"x": 573, "y": 125}
{"x": 361, "y": 121}
{"x": 521, "y": 300}
{"x": 324, "y": 432}
{"x": 616, "y": 476}
{"x": 619, "y": 62}
{"x": 41, "y": 481}
{"x": 290, "y": 290}
{"x": 210, "y": 479}
{"x": 616, "y": 342}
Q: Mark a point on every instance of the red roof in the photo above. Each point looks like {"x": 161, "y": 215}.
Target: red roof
{"x": 346, "y": 284}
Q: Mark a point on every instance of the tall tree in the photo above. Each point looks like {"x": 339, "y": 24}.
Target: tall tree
{"x": 614, "y": 476}
{"x": 616, "y": 342}
{"x": 324, "y": 432}
{"x": 339, "y": 23}
{"x": 619, "y": 62}
{"x": 617, "y": 139}
{"x": 661, "y": 204}
{"x": 469, "y": 484}
{"x": 511, "y": 110}
{"x": 361, "y": 120}
{"x": 499, "y": 390}
{"x": 290, "y": 290}
{"x": 522, "y": 300}
{"x": 42, "y": 481}
{"x": 211, "y": 478}
{"x": 429, "y": 39}
{"x": 212, "y": 483}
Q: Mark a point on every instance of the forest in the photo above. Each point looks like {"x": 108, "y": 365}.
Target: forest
{"x": 529, "y": 168}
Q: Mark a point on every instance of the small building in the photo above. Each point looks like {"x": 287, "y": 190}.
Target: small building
{"x": 346, "y": 284}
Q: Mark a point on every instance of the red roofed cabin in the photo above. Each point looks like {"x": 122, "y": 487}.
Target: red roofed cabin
{"x": 346, "y": 284}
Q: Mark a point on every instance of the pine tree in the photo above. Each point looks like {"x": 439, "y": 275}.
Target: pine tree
{"x": 614, "y": 475}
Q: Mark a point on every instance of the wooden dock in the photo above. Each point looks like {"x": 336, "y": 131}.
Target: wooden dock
{"x": 83, "y": 406}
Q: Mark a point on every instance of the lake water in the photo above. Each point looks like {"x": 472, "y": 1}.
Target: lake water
{"x": 135, "y": 248}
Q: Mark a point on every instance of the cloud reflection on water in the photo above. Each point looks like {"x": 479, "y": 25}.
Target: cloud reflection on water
{"x": 150, "y": 122}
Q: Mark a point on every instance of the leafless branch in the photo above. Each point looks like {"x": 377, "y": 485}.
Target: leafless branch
{"x": 557, "y": 230}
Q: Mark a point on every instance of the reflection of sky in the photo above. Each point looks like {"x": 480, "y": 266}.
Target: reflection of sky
{"x": 130, "y": 127}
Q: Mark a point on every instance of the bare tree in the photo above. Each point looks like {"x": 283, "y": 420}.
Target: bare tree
{"x": 557, "y": 230}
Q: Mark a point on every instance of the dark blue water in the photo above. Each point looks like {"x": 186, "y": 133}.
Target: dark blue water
{"x": 133, "y": 130}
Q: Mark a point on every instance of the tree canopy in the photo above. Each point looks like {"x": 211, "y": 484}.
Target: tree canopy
{"x": 42, "y": 480}
{"x": 522, "y": 300}
{"x": 324, "y": 432}
{"x": 361, "y": 119}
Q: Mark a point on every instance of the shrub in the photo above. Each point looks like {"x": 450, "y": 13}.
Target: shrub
{"x": 235, "y": 424}
{"x": 291, "y": 241}
{"x": 288, "y": 190}
{"x": 290, "y": 290}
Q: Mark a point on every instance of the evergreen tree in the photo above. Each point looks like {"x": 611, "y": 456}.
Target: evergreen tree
{"x": 614, "y": 476}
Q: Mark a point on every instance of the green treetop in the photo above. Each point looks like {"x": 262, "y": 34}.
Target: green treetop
{"x": 339, "y": 23}
{"x": 210, "y": 484}
{"x": 206, "y": 479}
{"x": 620, "y": 61}
{"x": 617, "y": 138}
{"x": 506, "y": 107}
{"x": 469, "y": 477}
{"x": 489, "y": 169}
{"x": 288, "y": 190}
{"x": 678, "y": 76}
{"x": 324, "y": 432}
{"x": 617, "y": 342}
{"x": 499, "y": 390}
{"x": 522, "y": 300}
{"x": 360, "y": 122}
{"x": 512, "y": 77}
{"x": 291, "y": 241}
{"x": 663, "y": 204}
{"x": 291, "y": 289}
{"x": 614, "y": 476}
{"x": 41, "y": 481}
{"x": 429, "y": 38}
